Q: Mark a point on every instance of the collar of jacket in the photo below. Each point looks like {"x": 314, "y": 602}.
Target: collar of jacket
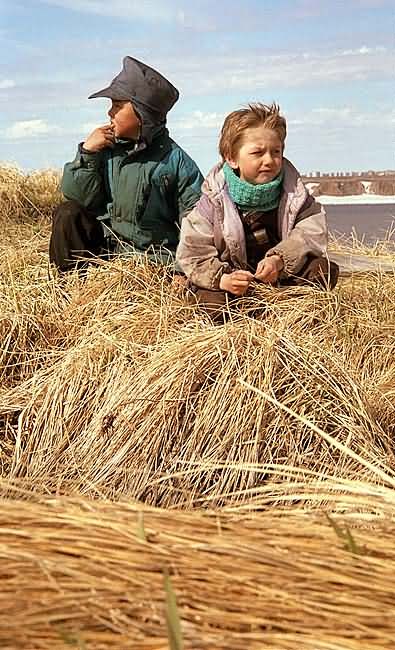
{"x": 293, "y": 190}
{"x": 161, "y": 141}
{"x": 142, "y": 142}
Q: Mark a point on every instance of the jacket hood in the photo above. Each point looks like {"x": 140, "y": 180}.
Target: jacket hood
{"x": 151, "y": 94}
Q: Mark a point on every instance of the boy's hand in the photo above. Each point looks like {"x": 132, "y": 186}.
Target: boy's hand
{"x": 269, "y": 269}
{"x": 100, "y": 138}
{"x": 236, "y": 282}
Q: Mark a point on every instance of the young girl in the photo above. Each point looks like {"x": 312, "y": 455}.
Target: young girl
{"x": 255, "y": 219}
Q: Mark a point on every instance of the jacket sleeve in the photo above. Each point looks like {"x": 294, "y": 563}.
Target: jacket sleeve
{"x": 196, "y": 253}
{"x": 309, "y": 236}
{"x": 83, "y": 179}
{"x": 189, "y": 182}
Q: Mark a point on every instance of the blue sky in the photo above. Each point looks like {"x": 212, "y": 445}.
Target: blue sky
{"x": 328, "y": 64}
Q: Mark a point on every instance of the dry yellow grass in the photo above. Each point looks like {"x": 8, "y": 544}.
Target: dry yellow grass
{"x": 91, "y": 574}
{"x": 113, "y": 387}
{"x": 27, "y": 197}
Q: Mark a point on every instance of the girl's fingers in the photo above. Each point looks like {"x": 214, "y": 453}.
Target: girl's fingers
{"x": 243, "y": 275}
{"x": 241, "y": 281}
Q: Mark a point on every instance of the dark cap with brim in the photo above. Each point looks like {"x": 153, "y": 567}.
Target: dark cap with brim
{"x": 140, "y": 84}
{"x": 113, "y": 92}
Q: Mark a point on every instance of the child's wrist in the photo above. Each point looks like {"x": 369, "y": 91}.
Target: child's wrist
{"x": 223, "y": 283}
{"x": 278, "y": 260}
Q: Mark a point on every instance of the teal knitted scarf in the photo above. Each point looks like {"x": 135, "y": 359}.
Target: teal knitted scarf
{"x": 265, "y": 196}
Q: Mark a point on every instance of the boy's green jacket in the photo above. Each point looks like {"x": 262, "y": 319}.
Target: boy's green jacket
{"x": 140, "y": 192}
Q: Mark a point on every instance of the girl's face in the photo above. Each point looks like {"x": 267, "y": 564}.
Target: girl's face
{"x": 260, "y": 156}
{"x": 124, "y": 119}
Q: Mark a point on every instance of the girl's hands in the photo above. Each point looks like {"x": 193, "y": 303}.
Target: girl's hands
{"x": 269, "y": 269}
{"x": 100, "y": 138}
{"x": 236, "y": 282}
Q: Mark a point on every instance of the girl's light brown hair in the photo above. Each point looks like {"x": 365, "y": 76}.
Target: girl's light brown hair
{"x": 239, "y": 121}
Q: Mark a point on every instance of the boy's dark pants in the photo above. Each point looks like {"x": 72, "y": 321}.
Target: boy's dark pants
{"x": 76, "y": 235}
{"x": 317, "y": 271}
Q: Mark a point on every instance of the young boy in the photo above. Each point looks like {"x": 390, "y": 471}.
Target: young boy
{"x": 255, "y": 219}
{"x": 129, "y": 175}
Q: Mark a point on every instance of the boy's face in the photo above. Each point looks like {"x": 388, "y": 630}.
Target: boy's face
{"x": 260, "y": 156}
{"x": 124, "y": 119}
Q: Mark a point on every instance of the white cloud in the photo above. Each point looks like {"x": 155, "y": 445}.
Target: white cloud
{"x": 7, "y": 83}
{"x": 199, "y": 120}
{"x": 330, "y": 119}
{"x": 325, "y": 113}
{"x": 30, "y": 129}
{"x": 251, "y": 71}
{"x": 126, "y": 9}
{"x": 364, "y": 49}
